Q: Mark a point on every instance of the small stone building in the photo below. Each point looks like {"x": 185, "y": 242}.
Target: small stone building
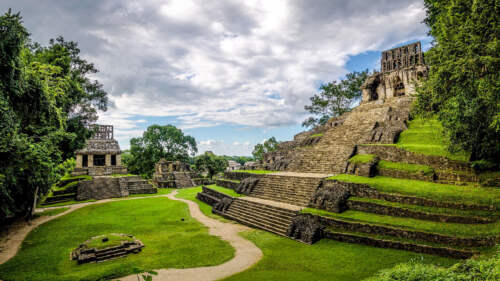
{"x": 233, "y": 165}
{"x": 101, "y": 155}
{"x": 401, "y": 68}
{"x": 175, "y": 174}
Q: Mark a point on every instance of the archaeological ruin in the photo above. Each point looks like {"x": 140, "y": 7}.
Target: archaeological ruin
{"x": 303, "y": 170}
{"x": 175, "y": 174}
{"x": 101, "y": 155}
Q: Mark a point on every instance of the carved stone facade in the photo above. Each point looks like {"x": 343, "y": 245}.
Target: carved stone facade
{"x": 401, "y": 68}
{"x": 101, "y": 155}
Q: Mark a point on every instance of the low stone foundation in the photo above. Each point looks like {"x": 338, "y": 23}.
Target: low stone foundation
{"x": 84, "y": 254}
{"x": 241, "y": 175}
{"x": 112, "y": 187}
{"x": 227, "y": 183}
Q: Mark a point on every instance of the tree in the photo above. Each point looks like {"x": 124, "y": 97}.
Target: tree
{"x": 159, "y": 142}
{"x": 210, "y": 163}
{"x": 463, "y": 87}
{"x": 262, "y": 148}
{"x": 335, "y": 99}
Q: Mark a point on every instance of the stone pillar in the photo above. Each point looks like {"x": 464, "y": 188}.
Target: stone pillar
{"x": 79, "y": 160}
{"x": 118, "y": 159}
{"x": 91, "y": 160}
{"x": 108, "y": 160}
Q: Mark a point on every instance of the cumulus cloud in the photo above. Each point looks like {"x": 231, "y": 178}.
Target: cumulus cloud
{"x": 251, "y": 63}
{"x": 220, "y": 147}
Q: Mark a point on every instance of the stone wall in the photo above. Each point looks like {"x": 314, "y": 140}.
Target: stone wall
{"x": 241, "y": 175}
{"x": 99, "y": 188}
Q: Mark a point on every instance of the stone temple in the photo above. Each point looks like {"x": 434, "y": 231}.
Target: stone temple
{"x": 101, "y": 155}
{"x": 303, "y": 174}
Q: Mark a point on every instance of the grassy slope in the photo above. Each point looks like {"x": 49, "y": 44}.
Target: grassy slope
{"x": 224, "y": 190}
{"x": 426, "y": 136}
{"x": 453, "y": 229}
{"x": 362, "y": 158}
{"x": 113, "y": 241}
{"x": 285, "y": 259}
{"x": 169, "y": 242}
{"x": 411, "y": 168}
{"x": 442, "y": 192}
{"x": 190, "y": 194}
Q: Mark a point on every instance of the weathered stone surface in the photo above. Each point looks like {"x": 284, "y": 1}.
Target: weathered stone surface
{"x": 99, "y": 188}
{"x": 405, "y": 174}
{"x": 363, "y": 169}
{"x": 223, "y": 204}
{"x": 306, "y": 228}
{"x": 247, "y": 185}
{"x": 240, "y": 175}
{"x": 227, "y": 183}
{"x": 84, "y": 254}
{"x": 330, "y": 198}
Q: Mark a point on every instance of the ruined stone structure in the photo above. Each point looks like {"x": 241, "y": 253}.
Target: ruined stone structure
{"x": 401, "y": 68}
{"x": 175, "y": 174}
{"x": 273, "y": 200}
{"x": 85, "y": 254}
{"x": 101, "y": 155}
{"x": 113, "y": 187}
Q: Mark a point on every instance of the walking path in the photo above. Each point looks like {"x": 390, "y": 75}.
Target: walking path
{"x": 246, "y": 253}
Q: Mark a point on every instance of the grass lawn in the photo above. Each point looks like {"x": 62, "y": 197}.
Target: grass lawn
{"x": 190, "y": 194}
{"x": 254, "y": 171}
{"x": 426, "y": 136}
{"x": 113, "y": 241}
{"x": 452, "y": 229}
{"x": 362, "y": 158}
{"x": 440, "y": 192}
{"x": 411, "y": 168}
{"x": 224, "y": 190}
{"x": 170, "y": 242}
{"x": 285, "y": 259}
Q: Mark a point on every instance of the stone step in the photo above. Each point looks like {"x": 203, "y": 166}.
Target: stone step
{"x": 111, "y": 256}
{"x": 260, "y": 221}
{"x": 255, "y": 223}
{"x": 274, "y": 211}
{"x": 261, "y": 214}
{"x": 293, "y": 201}
{"x": 387, "y": 242}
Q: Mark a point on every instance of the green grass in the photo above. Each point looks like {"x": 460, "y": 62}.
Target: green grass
{"x": 190, "y": 194}
{"x": 426, "y": 136}
{"x": 411, "y": 168}
{"x": 161, "y": 191}
{"x": 362, "y": 158}
{"x": 51, "y": 212}
{"x": 170, "y": 242}
{"x": 71, "y": 184}
{"x": 254, "y": 171}
{"x": 70, "y": 202}
{"x": 316, "y": 135}
{"x": 113, "y": 241}
{"x": 122, "y": 175}
{"x": 224, "y": 190}
{"x": 469, "y": 194}
{"x": 235, "y": 181}
{"x": 69, "y": 177}
{"x": 452, "y": 229}
{"x": 288, "y": 260}
{"x": 425, "y": 209}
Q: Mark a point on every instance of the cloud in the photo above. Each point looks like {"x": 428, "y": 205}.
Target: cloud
{"x": 209, "y": 63}
{"x": 220, "y": 147}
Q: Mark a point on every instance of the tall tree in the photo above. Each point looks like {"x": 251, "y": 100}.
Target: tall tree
{"x": 210, "y": 163}
{"x": 335, "y": 99}
{"x": 159, "y": 142}
{"x": 267, "y": 146}
{"x": 463, "y": 87}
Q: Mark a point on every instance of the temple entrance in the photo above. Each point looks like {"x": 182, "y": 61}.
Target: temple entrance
{"x": 399, "y": 89}
{"x": 85, "y": 160}
{"x": 99, "y": 160}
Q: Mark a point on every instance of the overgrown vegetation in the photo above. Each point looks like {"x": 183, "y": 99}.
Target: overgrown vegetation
{"x": 210, "y": 163}
{"x": 469, "y": 194}
{"x": 463, "y": 87}
{"x": 362, "y": 158}
{"x": 46, "y": 99}
{"x": 267, "y": 146}
{"x": 335, "y": 99}
{"x": 411, "y": 168}
{"x": 426, "y": 136}
{"x": 485, "y": 269}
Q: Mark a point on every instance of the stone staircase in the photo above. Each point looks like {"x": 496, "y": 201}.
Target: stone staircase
{"x": 264, "y": 216}
{"x": 183, "y": 179}
{"x": 137, "y": 185}
{"x": 295, "y": 190}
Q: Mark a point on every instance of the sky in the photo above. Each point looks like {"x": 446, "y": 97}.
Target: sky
{"x": 229, "y": 73}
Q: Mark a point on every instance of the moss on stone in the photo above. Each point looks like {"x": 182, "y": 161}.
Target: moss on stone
{"x": 411, "y": 168}
{"x": 362, "y": 158}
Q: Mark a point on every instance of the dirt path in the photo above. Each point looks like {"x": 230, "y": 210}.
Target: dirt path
{"x": 246, "y": 253}
{"x": 17, "y": 232}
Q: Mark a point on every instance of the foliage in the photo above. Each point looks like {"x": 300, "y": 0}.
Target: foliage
{"x": 362, "y": 158}
{"x": 158, "y": 142}
{"x": 210, "y": 163}
{"x": 260, "y": 149}
{"x": 463, "y": 87}
{"x": 469, "y": 270}
{"x": 65, "y": 168}
{"x": 434, "y": 191}
{"x": 335, "y": 99}
{"x": 45, "y": 96}
{"x": 161, "y": 227}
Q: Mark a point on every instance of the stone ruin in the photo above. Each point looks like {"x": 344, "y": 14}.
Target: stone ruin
{"x": 85, "y": 254}
{"x": 101, "y": 155}
{"x": 175, "y": 174}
